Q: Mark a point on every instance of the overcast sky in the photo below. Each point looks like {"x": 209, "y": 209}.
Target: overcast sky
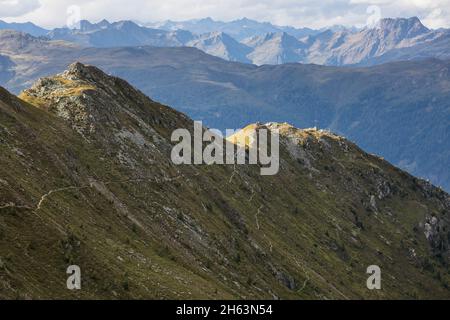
{"x": 310, "y": 13}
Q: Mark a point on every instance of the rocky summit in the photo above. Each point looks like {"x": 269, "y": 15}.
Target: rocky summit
{"x": 86, "y": 179}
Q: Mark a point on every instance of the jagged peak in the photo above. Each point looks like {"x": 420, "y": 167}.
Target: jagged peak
{"x": 217, "y": 36}
{"x": 104, "y": 22}
{"x": 92, "y": 101}
{"x": 125, "y": 24}
{"x": 281, "y": 37}
{"x": 73, "y": 84}
{"x": 84, "y": 72}
{"x": 86, "y": 25}
{"x": 88, "y": 74}
{"x": 77, "y": 80}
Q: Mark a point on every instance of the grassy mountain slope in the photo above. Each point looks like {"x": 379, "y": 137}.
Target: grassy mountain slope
{"x": 86, "y": 178}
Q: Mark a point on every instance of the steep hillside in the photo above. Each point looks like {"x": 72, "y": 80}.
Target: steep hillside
{"x": 86, "y": 179}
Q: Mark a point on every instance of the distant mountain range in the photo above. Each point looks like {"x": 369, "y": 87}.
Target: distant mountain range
{"x": 390, "y": 40}
{"x": 120, "y": 34}
{"x": 238, "y": 29}
{"x": 399, "y": 110}
{"x": 221, "y": 45}
{"x": 249, "y": 41}
{"x": 27, "y": 27}
{"x": 393, "y": 38}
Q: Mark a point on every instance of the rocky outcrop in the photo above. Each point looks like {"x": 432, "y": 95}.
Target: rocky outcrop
{"x": 437, "y": 233}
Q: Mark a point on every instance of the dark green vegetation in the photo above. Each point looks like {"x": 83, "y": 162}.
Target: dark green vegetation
{"x": 86, "y": 178}
{"x": 400, "y": 110}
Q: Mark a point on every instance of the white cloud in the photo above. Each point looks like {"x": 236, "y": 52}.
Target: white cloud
{"x": 16, "y": 8}
{"x": 312, "y": 13}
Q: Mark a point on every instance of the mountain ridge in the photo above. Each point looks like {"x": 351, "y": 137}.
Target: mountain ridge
{"x": 116, "y": 34}
{"x": 221, "y": 45}
{"x": 27, "y": 27}
{"x": 239, "y": 29}
{"x": 110, "y": 198}
{"x": 391, "y": 39}
{"x": 371, "y": 106}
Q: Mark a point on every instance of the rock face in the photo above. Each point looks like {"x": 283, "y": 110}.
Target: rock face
{"x": 86, "y": 179}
